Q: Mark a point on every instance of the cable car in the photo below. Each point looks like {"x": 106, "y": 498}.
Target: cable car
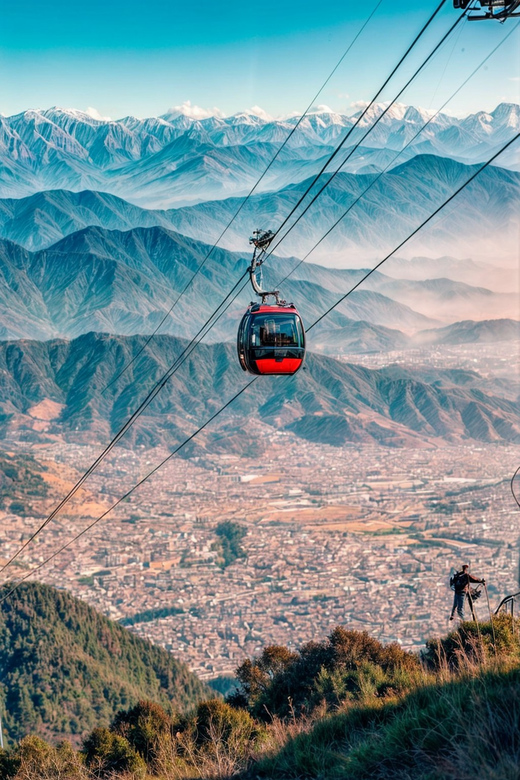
{"x": 271, "y": 336}
{"x": 504, "y": 9}
{"x": 271, "y": 339}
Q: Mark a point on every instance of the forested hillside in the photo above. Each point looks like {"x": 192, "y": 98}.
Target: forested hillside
{"x": 65, "y": 669}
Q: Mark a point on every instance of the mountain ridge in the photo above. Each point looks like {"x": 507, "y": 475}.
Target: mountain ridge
{"x": 126, "y": 281}
{"x": 46, "y": 149}
{"x": 489, "y": 204}
{"x": 331, "y": 401}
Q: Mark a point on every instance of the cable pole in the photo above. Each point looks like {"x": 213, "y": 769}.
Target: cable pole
{"x": 491, "y": 619}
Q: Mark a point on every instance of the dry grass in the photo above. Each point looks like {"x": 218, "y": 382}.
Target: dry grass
{"x": 461, "y": 721}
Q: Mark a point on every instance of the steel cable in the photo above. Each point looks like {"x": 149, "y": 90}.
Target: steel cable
{"x": 391, "y": 163}
{"x": 244, "y": 201}
{"x": 243, "y": 389}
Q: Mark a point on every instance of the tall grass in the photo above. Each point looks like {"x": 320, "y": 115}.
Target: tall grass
{"x": 462, "y": 720}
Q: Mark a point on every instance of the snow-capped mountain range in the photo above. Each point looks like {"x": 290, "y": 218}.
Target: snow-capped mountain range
{"x": 177, "y": 159}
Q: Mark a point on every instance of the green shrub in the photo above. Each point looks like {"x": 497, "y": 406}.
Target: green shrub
{"x": 146, "y": 727}
{"x": 35, "y": 759}
{"x": 107, "y": 753}
{"x": 348, "y": 665}
{"x": 9, "y": 764}
{"x": 217, "y": 720}
{"x": 217, "y": 739}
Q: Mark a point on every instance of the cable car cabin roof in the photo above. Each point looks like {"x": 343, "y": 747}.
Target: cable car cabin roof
{"x": 265, "y": 308}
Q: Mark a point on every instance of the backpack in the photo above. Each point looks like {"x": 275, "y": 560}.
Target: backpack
{"x": 454, "y": 579}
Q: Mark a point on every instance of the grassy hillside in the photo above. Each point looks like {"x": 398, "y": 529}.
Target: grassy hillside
{"x": 457, "y": 718}
{"x": 344, "y": 708}
{"x": 65, "y": 669}
{"x": 20, "y": 482}
{"x": 466, "y": 728}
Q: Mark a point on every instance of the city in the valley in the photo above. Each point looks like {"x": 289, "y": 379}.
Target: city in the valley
{"x": 360, "y": 536}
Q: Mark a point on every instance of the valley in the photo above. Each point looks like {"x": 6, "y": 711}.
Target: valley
{"x": 348, "y": 492}
{"x": 354, "y": 534}
{"x": 364, "y": 537}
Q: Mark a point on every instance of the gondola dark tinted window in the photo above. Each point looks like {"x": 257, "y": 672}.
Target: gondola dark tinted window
{"x": 276, "y": 331}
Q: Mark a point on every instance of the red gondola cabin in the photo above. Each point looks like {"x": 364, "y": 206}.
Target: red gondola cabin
{"x": 271, "y": 339}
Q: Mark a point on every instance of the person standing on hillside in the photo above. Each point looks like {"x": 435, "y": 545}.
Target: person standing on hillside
{"x": 461, "y": 585}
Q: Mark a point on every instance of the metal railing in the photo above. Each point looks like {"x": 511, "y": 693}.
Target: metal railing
{"x": 508, "y": 604}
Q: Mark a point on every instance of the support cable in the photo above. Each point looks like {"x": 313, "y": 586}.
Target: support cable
{"x": 391, "y": 163}
{"x": 128, "y": 493}
{"x": 119, "y": 435}
{"x": 513, "y": 486}
{"x": 243, "y": 389}
{"x": 423, "y": 224}
{"x": 243, "y": 203}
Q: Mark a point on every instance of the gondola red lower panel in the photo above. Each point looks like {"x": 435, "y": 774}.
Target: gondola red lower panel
{"x": 285, "y": 366}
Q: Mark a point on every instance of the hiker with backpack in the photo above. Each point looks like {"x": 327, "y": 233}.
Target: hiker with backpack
{"x": 460, "y": 583}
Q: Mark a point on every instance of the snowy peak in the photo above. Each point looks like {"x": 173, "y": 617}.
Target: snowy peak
{"x": 507, "y": 114}
{"x": 191, "y": 154}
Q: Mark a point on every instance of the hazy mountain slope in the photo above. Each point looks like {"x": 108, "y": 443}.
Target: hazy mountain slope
{"x": 124, "y": 282}
{"x": 449, "y": 300}
{"x": 470, "y": 332}
{"x": 362, "y": 337}
{"x": 395, "y": 204}
{"x": 465, "y": 270}
{"x": 65, "y": 668}
{"x": 329, "y": 401}
{"x": 43, "y": 219}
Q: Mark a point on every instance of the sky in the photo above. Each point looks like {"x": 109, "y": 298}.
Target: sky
{"x": 142, "y": 57}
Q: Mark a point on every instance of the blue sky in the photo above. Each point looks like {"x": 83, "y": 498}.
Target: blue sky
{"x": 141, "y": 58}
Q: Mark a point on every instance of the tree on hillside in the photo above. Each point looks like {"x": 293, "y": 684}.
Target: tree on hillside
{"x": 107, "y": 754}
{"x": 347, "y": 665}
